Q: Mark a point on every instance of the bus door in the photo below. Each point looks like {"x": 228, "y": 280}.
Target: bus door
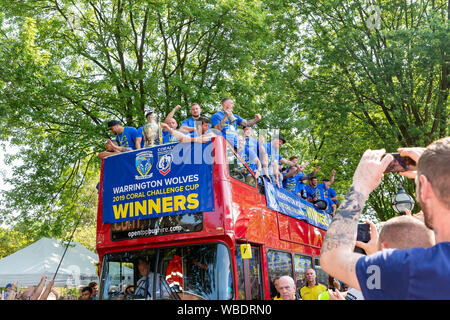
{"x": 249, "y": 274}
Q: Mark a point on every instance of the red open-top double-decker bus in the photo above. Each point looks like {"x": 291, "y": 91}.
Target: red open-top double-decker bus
{"x": 197, "y": 255}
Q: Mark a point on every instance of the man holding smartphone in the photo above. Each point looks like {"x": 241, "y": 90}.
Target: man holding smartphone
{"x": 417, "y": 273}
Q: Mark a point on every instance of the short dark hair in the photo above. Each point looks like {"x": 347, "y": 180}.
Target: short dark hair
{"x": 434, "y": 164}
{"x": 225, "y": 99}
{"x": 87, "y": 289}
{"x": 203, "y": 120}
{"x": 112, "y": 123}
{"x": 149, "y": 113}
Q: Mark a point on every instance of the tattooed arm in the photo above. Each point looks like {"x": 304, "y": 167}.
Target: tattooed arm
{"x": 337, "y": 257}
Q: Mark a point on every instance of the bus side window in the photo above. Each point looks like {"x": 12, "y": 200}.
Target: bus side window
{"x": 238, "y": 170}
{"x": 301, "y": 263}
{"x": 321, "y": 276}
{"x": 279, "y": 263}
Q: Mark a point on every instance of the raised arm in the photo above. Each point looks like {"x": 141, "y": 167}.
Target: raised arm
{"x": 37, "y": 292}
{"x": 292, "y": 172}
{"x": 222, "y": 122}
{"x": 337, "y": 257}
{"x": 252, "y": 122}
{"x": 47, "y": 290}
{"x": 333, "y": 173}
{"x": 172, "y": 113}
{"x": 177, "y": 134}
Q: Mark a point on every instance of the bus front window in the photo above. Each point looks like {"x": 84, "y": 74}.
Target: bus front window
{"x": 196, "y": 272}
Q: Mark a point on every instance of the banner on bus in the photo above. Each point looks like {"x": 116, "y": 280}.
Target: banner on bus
{"x": 164, "y": 180}
{"x": 285, "y": 202}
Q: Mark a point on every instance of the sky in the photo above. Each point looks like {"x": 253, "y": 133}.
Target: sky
{"x": 5, "y": 171}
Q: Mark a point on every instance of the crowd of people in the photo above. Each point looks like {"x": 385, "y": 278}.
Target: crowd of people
{"x": 420, "y": 269}
{"x": 43, "y": 291}
{"x": 263, "y": 158}
{"x": 401, "y": 232}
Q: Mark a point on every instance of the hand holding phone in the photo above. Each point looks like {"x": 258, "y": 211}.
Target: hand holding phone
{"x": 367, "y": 238}
{"x": 401, "y": 164}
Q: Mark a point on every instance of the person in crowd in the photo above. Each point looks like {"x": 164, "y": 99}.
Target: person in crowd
{"x": 252, "y": 144}
{"x": 112, "y": 147}
{"x": 126, "y": 136}
{"x": 274, "y": 159}
{"x": 333, "y": 286}
{"x": 300, "y": 187}
{"x": 329, "y": 194}
{"x": 401, "y": 232}
{"x": 316, "y": 193}
{"x": 227, "y": 122}
{"x": 8, "y": 289}
{"x": 312, "y": 289}
{"x": 94, "y": 287}
{"x": 86, "y": 293}
{"x": 313, "y": 194}
{"x": 251, "y": 159}
{"x": 170, "y": 120}
{"x": 202, "y": 127}
{"x": 293, "y": 174}
{"x": 32, "y": 292}
{"x": 416, "y": 273}
{"x": 286, "y": 288}
{"x": 275, "y": 284}
{"x": 189, "y": 125}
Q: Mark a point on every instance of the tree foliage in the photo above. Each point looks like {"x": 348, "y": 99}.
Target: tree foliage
{"x": 69, "y": 66}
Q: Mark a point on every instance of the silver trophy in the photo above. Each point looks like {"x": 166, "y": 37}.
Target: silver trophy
{"x": 231, "y": 117}
{"x": 151, "y": 130}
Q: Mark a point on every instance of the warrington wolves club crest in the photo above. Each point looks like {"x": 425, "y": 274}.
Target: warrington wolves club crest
{"x": 144, "y": 162}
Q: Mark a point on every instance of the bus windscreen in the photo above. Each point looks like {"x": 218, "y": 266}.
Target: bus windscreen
{"x": 182, "y": 273}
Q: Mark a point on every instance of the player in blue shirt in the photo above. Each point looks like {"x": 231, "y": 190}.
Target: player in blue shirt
{"x": 329, "y": 194}
{"x": 274, "y": 159}
{"x": 126, "y": 136}
{"x": 227, "y": 122}
{"x": 319, "y": 194}
{"x": 170, "y": 120}
{"x": 252, "y": 144}
{"x": 188, "y": 125}
{"x": 202, "y": 126}
{"x": 251, "y": 159}
{"x": 417, "y": 273}
{"x": 290, "y": 178}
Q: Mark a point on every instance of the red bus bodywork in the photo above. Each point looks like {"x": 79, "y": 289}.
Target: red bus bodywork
{"x": 240, "y": 216}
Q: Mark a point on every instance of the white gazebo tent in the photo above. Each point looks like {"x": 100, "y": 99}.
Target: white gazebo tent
{"x": 29, "y": 265}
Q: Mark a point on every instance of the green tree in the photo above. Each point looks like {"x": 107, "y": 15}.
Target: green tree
{"x": 371, "y": 75}
{"x": 68, "y": 66}
{"x": 12, "y": 241}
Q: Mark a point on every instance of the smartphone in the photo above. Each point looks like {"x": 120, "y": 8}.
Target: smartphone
{"x": 363, "y": 235}
{"x": 400, "y": 164}
{"x": 363, "y": 232}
